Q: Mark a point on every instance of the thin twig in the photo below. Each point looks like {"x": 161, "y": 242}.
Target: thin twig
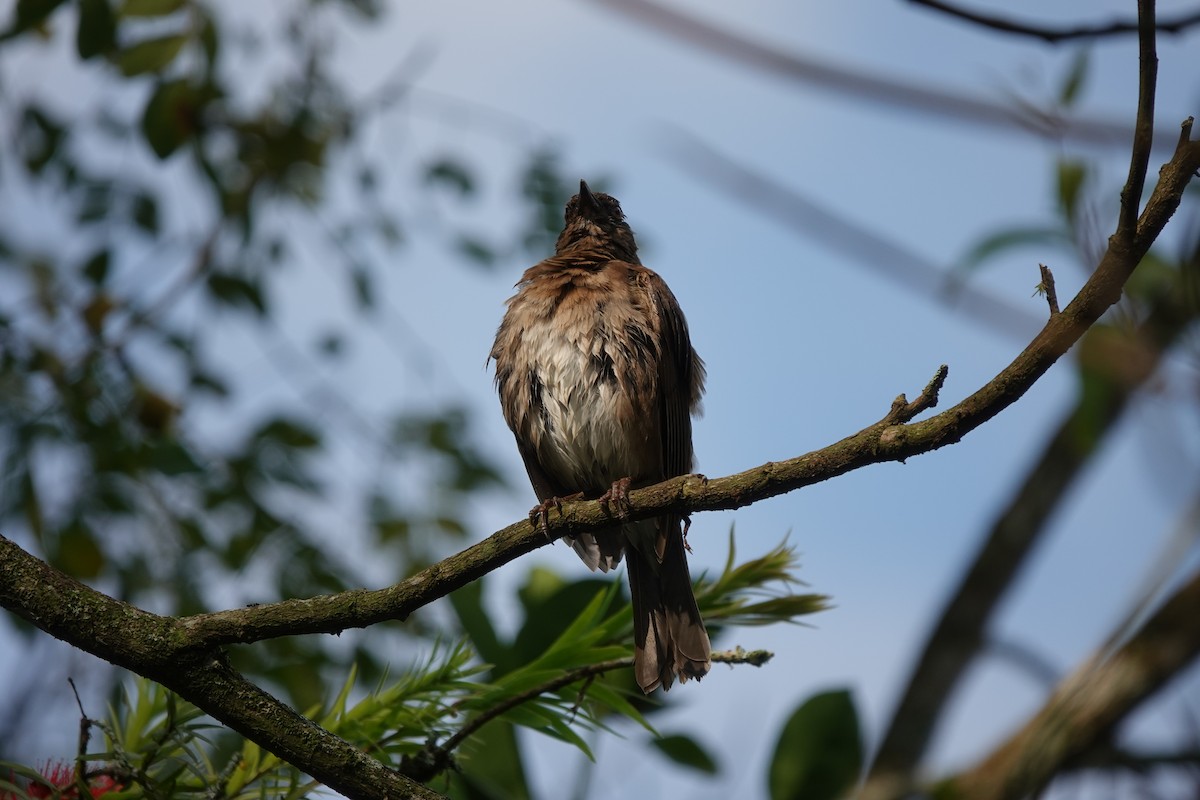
{"x": 1055, "y": 35}
{"x": 1046, "y": 289}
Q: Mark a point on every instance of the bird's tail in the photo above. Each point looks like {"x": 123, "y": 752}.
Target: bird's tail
{"x": 668, "y": 635}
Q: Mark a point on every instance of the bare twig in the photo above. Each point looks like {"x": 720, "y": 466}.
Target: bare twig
{"x": 1055, "y": 35}
{"x": 1047, "y": 290}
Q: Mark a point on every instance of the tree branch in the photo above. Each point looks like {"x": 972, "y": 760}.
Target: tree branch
{"x": 149, "y": 645}
{"x": 1085, "y": 706}
{"x": 1055, "y": 35}
{"x": 1143, "y": 130}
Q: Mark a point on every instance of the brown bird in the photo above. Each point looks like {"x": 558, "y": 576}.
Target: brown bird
{"x": 598, "y": 381}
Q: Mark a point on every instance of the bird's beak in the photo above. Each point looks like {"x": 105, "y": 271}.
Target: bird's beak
{"x": 587, "y": 200}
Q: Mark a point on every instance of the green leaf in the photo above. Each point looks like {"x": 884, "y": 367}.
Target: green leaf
{"x": 78, "y": 552}
{"x": 150, "y": 8}
{"x": 1076, "y": 78}
{"x": 687, "y": 752}
{"x": 170, "y": 117}
{"x": 1072, "y": 175}
{"x": 97, "y": 31}
{"x": 472, "y": 612}
{"x": 151, "y": 55}
{"x": 819, "y": 753}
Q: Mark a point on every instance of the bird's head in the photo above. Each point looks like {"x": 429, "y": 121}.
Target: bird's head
{"x": 594, "y": 220}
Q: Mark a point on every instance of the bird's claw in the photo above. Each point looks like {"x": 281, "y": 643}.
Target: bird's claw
{"x": 539, "y": 515}
{"x": 616, "y": 500}
{"x": 687, "y": 526}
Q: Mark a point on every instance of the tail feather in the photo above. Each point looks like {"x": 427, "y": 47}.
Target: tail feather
{"x": 668, "y": 634}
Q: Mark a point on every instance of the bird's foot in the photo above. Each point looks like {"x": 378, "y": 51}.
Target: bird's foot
{"x": 616, "y": 500}
{"x": 687, "y": 526}
{"x": 539, "y": 515}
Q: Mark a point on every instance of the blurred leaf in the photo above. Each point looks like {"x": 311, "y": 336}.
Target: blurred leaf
{"x": 331, "y": 345}
{"x": 150, "y": 8}
{"x": 145, "y": 212}
{"x": 476, "y": 250}
{"x": 78, "y": 553}
{"x": 819, "y": 752}
{"x": 289, "y": 433}
{"x": 235, "y": 290}
{"x": 364, "y": 291}
{"x": 33, "y": 12}
{"x": 687, "y": 752}
{"x": 95, "y": 269}
{"x": 1072, "y": 175}
{"x": 39, "y": 138}
{"x": 169, "y": 118}
{"x": 453, "y": 174}
{"x": 97, "y": 29}
{"x": 468, "y": 605}
{"x": 206, "y": 382}
{"x": 994, "y": 244}
{"x": 151, "y": 55}
{"x": 1076, "y": 78}
{"x": 495, "y": 770}
{"x": 96, "y": 203}
{"x": 172, "y": 458}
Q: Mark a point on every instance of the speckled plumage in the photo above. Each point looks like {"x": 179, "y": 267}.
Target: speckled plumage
{"x": 598, "y": 381}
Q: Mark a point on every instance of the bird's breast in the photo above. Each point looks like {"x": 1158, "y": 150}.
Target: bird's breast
{"x": 590, "y": 412}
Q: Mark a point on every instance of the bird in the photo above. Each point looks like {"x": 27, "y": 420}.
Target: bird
{"x": 598, "y": 381}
